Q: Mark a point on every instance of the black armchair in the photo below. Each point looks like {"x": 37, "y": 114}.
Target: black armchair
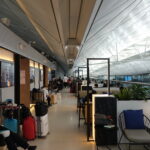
{"x": 135, "y": 136}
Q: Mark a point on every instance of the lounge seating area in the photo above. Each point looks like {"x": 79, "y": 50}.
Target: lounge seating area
{"x": 135, "y": 127}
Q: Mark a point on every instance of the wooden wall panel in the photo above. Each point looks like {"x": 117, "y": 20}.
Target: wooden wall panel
{"x": 24, "y": 81}
{"x": 45, "y": 76}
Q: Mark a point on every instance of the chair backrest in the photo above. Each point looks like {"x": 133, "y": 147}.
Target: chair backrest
{"x": 122, "y": 124}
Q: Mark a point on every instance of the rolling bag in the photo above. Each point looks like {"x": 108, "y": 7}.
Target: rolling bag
{"x": 53, "y": 98}
{"x": 28, "y": 128}
{"x": 42, "y": 126}
{"x": 41, "y": 109}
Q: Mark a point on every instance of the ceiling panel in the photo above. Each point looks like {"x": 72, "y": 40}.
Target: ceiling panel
{"x": 74, "y": 17}
{"x": 86, "y": 10}
{"x": 121, "y": 32}
{"x": 59, "y": 22}
{"x": 43, "y": 15}
{"x": 21, "y": 26}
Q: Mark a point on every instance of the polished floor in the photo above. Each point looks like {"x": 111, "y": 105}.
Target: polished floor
{"x": 63, "y": 127}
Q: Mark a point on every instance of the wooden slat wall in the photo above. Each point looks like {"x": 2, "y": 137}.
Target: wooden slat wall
{"x": 24, "y": 83}
{"x": 45, "y": 76}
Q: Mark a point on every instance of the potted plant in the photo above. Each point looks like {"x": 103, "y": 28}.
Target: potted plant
{"x": 124, "y": 94}
{"x": 138, "y": 92}
{"x": 135, "y": 92}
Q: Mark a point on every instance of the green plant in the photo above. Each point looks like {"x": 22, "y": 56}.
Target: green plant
{"x": 124, "y": 94}
{"x": 138, "y": 92}
{"x": 135, "y": 92}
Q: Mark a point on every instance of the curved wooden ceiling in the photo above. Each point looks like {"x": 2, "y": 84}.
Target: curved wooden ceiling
{"x": 61, "y": 23}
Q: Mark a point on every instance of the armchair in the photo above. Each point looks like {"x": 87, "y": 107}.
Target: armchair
{"x": 135, "y": 136}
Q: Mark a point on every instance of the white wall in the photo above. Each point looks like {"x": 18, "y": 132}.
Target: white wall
{"x": 7, "y": 93}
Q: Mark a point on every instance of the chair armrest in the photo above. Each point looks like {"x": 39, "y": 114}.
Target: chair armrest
{"x": 147, "y": 129}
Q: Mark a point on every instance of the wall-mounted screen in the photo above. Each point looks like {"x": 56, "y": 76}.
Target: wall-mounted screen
{"x": 49, "y": 76}
{"x": 7, "y": 74}
{"x": 32, "y": 74}
{"x": 41, "y": 74}
{"x": 53, "y": 73}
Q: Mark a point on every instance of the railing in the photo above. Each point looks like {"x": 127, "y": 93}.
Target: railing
{"x": 130, "y": 82}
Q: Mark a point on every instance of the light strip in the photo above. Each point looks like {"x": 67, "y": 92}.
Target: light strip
{"x": 41, "y": 67}
{"x": 6, "y": 55}
{"x": 31, "y": 63}
{"x": 36, "y": 65}
{"x": 93, "y": 112}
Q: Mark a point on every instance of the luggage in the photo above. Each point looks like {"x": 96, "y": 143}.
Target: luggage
{"x": 41, "y": 108}
{"x": 28, "y": 128}
{"x": 37, "y": 95}
{"x": 24, "y": 113}
{"x": 3, "y": 147}
{"x": 53, "y": 98}
{"x": 11, "y": 124}
{"x": 42, "y": 125}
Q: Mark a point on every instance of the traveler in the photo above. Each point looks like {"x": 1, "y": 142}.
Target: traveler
{"x": 13, "y": 140}
{"x": 46, "y": 95}
{"x": 65, "y": 80}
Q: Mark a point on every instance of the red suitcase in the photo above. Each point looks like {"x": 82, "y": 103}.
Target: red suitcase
{"x": 28, "y": 128}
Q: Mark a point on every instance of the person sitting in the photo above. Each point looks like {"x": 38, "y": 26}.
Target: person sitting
{"x": 13, "y": 140}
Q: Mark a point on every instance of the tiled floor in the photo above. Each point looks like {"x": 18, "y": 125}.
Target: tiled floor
{"x": 63, "y": 127}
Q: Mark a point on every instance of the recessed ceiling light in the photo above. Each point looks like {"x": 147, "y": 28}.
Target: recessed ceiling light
{"x": 5, "y": 21}
{"x": 42, "y": 53}
{"x": 66, "y": 46}
{"x": 78, "y": 47}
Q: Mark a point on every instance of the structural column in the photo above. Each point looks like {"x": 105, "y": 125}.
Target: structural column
{"x": 45, "y": 76}
{"x": 17, "y": 78}
{"x": 24, "y": 81}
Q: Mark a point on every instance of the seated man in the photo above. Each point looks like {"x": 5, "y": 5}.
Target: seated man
{"x": 13, "y": 140}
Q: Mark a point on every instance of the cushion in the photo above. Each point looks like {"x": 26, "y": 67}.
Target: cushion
{"x": 138, "y": 135}
{"x": 134, "y": 119}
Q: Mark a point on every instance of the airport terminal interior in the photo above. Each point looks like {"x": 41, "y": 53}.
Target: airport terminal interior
{"x": 74, "y": 74}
